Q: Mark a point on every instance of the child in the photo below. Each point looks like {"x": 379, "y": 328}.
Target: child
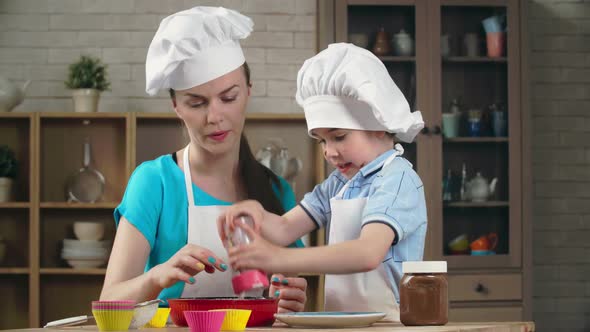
{"x": 372, "y": 205}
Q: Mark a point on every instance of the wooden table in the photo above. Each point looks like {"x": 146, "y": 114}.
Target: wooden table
{"x": 378, "y": 327}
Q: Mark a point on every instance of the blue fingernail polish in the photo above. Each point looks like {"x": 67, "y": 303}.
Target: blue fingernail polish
{"x": 277, "y": 293}
{"x": 275, "y": 279}
{"x": 223, "y": 266}
{"x": 285, "y": 282}
{"x": 191, "y": 280}
{"x": 211, "y": 260}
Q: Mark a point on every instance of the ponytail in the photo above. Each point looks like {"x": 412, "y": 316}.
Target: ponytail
{"x": 259, "y": 180}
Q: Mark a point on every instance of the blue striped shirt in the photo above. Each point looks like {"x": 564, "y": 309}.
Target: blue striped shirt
{"x": 395, "y": 197}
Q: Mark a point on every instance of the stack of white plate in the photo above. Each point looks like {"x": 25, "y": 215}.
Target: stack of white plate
{"x": 85, "y": 254}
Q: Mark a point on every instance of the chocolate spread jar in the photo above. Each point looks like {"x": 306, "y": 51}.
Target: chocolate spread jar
{"x": 424, "y": 293}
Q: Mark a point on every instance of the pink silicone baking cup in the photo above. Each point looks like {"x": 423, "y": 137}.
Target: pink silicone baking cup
{"x": 248, "y": 280}
{"x": 204, "y": 321}
{"x": 113, "y": 305}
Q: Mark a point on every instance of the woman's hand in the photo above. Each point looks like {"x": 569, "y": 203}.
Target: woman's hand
{"x": 187, "y": 262}
{"x": 289, "y": 291}
{"x": 226, "y": 222}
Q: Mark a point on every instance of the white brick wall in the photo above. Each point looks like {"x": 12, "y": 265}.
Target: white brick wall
{"x": 40, "y": 38}
{"x": 560, "y": 104}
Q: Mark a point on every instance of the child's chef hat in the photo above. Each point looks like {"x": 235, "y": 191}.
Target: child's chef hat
{"x": 348, "y": 87}
{"x": 195, "y": 46}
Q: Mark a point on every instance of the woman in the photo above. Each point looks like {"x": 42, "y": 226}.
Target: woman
{"x": 167, "y": 244}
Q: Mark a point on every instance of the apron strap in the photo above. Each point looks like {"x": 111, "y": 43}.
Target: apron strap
{"x": 187, "y": 177}
{"x": 399, "y": 150}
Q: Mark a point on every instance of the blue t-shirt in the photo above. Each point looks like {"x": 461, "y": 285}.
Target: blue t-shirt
{"x": 395, "y": 197}
{"x": 155, "y": 203}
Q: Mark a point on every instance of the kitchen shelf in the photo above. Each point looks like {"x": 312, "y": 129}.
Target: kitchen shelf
{"x": 67, "y": 295}
{"x": 15, "y": 115}
{"x": 68, "y": 205}
{"x": 72, "y": 271}
{"x": 477, "y": 204}
{"x": 14, "y": 307}
{"x": 476, "y": 140}
{"x": 14, "y": 270}
{"x": 249, "y": 116}
{"x": 49, "y": 149}
{"x": 82, "y": 116}
{"x": 394, "y": 58}
{"x": 15, "y": 205}
{"x": 479, "y": 59}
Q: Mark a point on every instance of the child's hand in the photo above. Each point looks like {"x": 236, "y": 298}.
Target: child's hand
{"x": 289, "y": 291}
{"x": 259, "y": 254}
{"x": 226, "y": 222}
{"x": 186, "y": 263}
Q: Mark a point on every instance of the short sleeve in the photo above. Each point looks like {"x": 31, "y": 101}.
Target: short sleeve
{"x": 317, "y": 203}
{"x": 142, "y": 201}
{"x": 397, "y": 200}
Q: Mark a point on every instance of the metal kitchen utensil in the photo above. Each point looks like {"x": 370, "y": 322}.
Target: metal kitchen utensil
{"x": 275, "y": 157}
{"x": 83, "y": 319}
{"x": 69, "y": 321}
{"x": 87, "y": 185}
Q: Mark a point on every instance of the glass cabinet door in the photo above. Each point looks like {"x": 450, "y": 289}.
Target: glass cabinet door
{"x": 391, "y": 30}
{"x": 478, "y": 211}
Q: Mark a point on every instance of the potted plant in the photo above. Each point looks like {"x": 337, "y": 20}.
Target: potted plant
{"x": 8, "y": 168}
{"x": 87, "y": 78}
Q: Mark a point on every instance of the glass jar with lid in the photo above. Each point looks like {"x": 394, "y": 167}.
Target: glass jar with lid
{"x": 424, "y": 298}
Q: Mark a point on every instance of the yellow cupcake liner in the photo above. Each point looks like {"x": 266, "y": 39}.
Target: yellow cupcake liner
{"x": 113, "y": 320}
{"x": 235, "y": 319}
{"x": 160, "y": 318}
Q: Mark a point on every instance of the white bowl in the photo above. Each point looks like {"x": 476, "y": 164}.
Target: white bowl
{"x": 89, "y": 231}
{"x": 86, "y": 263}
{"x": 83, "y": 254}
{"x": 78, "y": 244}
{"x": 143, "y": 313}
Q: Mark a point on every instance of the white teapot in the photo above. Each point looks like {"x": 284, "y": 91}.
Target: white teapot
{"x": 479, "y": 190}
{"x": 10, "y": 94}
{"x": 403, "y": 44}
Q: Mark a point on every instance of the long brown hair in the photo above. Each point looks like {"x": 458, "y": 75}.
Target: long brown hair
{"x": 258, "y": 179}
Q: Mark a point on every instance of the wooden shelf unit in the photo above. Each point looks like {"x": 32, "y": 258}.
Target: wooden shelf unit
{"x": 476, "y": 204}
{"x": 74, "y": 271}
{"x": 75, "y": 205}
{"x": 430, "y": 82}
{"x": 15, "y": 205}
{"x": 49, "y": 149}
{"x": 14, "y": 270}
{"x": 476, "y": 140}
{"x": 479, "y": 59}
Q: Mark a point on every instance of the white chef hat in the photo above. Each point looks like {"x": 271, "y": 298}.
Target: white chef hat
{"x": 195, "y": 46}
{"x": 348, "y": 87}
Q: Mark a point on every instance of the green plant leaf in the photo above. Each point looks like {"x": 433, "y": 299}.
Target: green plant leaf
{"x": 88, "y": 73}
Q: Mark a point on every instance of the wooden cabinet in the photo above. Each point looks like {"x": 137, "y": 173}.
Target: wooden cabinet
{"x": 485, "y": 287}
{"x": 494, "y": 287}
{"x": 37, "y": 284}
{"x": 450, "y": 61}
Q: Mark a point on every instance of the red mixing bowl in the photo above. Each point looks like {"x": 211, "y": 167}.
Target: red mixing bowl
{"x": 263, "y": 310}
